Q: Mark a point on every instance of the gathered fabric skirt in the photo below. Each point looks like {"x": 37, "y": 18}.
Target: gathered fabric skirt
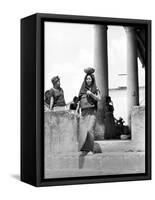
{"x": 87, "y": 125}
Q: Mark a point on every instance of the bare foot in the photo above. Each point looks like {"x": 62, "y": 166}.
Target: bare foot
{"x": 84, "y": 153}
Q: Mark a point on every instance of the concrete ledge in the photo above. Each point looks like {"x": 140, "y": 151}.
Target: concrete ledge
{"x": 60, "y": 132}
{"x": 120, "y": 146}
{"x": 97, "y": 164}
{"x": 138, "y": 127}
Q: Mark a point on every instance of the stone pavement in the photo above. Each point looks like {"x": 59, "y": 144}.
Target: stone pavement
{"x": 106, "y": 163}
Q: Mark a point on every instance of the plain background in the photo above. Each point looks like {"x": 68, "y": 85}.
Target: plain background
{"x": 10, "y": 14}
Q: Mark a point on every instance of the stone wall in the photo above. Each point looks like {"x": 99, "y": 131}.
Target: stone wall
{"x": 138, "y": 127}
{"x": 63, "y": 159}
{"x": 60, "y": 132}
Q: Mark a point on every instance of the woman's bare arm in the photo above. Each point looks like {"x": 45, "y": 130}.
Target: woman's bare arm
{"x": 94, "y": 96}
{"x": 51, "y": 103}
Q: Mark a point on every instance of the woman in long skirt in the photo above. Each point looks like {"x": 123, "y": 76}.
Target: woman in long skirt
{"x": 89, "y": 95}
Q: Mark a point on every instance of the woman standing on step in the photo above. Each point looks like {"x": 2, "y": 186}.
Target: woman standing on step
{"x": 89, "y": 96}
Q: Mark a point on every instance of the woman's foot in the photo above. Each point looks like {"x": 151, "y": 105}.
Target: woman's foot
{"x": 90, "y": 153}
{"x": 84, "y": 153}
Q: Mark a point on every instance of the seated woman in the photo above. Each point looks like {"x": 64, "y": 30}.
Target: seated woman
{"x": 89, "y": 95}
{"x": 74, "y": 103}
{"x": 110, "y": 128}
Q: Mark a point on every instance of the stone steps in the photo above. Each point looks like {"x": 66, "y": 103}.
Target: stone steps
{"x": 97, "y": 164}
{"x": 62, "y": 158}
{"x": 121, "y": 146}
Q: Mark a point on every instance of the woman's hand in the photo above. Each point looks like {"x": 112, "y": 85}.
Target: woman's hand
{"x": 89, "y": 92}
{"x": 96, "y": 97}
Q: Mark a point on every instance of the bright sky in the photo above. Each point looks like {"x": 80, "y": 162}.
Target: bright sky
{"x": 69, "y": 48}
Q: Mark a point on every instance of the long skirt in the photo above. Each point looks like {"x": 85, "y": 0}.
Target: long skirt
{"x": 86, "y": 130}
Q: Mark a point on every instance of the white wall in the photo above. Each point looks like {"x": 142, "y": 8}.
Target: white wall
{"x": 10, "y": 14}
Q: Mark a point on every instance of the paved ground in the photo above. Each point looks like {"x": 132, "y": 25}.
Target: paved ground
{"x": 106, "y": 163}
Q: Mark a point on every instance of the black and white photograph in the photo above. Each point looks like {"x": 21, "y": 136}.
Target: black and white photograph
{"x": 77, "y": 99}
{"x": 94, "y": 99}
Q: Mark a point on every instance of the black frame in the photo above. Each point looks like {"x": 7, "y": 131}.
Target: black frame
{"x": 32, "y": 89}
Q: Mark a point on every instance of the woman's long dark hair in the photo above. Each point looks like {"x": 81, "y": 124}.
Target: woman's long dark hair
{"x": 85, "y": 87}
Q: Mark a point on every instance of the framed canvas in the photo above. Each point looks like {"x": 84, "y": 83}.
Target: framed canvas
{"x": 85, "y": 99}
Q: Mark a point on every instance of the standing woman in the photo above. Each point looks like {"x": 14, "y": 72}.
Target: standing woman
{"x": 89, "y": 95}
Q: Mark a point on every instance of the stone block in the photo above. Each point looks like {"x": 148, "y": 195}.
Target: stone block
{"x": 97, "y": 164}
{"x": 138, "y": 126}
{"x": 60, "y": 129}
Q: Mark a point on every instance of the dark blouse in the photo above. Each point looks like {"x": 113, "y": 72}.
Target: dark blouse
{"x": 86, "y": 101}
{"x": 109, "y": 108}
{"x": 58, "y": 96}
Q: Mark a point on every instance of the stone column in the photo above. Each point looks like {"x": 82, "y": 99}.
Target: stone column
{"x": 101, "y": 69}
{"x": 132, "y": 72}
{"x": 101, "y": 58}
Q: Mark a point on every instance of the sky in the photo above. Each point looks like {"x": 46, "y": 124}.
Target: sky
{"x": 69, "y": 48}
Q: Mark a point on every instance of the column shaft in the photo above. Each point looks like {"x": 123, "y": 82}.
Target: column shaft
{"x": 132, "y": 72}
{"x": 101, "y": 59}
{"x": 101, "y": 74}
